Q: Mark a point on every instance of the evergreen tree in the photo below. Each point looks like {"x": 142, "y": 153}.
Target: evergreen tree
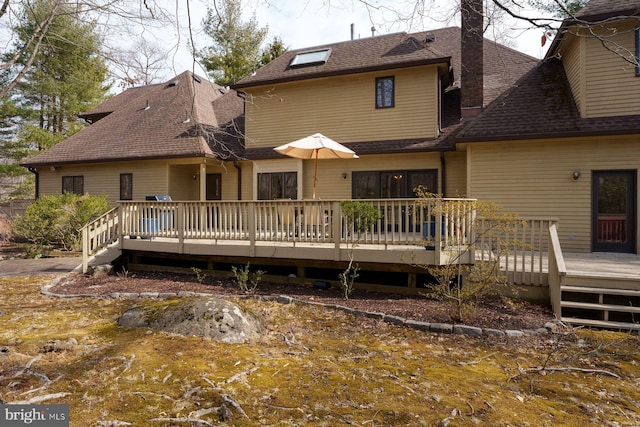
{"x": 235, "y": 52}
{"x": 64, "y": 76}
{"x": 68, "y": 74}
{"x": 560, "y": 8}
{"x": 272, "y": 51}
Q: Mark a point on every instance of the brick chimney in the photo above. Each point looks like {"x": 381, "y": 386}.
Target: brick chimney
{"x": 471, "y": 58}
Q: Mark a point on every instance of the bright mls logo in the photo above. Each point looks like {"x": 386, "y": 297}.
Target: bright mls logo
{"x": 34, "y": 415}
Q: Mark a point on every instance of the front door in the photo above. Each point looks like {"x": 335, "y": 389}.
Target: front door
{"x": 614, "y": 211}
{"x": 214, "y": 186}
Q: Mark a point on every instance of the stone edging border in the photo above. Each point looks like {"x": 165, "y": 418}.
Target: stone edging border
{"x": 443, "y": 328}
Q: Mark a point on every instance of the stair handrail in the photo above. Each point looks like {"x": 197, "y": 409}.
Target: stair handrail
{"x": 557, "y": 270}
{"x": 98, "y": 234}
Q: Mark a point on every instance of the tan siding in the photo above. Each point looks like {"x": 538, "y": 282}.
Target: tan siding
{"x": 247, "y": 180}
{"x": 149, "y": 178}
{"x": 153, "y": 177}
{"x": 343, "y": 108}
{"x": 456, "y": 174}
{"x": 229, "y": 180}
{"x": 182, "y": 186}
{"x": 612, "y": 88}
{"x": 572, "y": 55}
{"x": 534, "y": 179}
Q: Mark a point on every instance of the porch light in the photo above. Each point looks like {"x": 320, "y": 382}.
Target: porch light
{"x": 575, "y": 175}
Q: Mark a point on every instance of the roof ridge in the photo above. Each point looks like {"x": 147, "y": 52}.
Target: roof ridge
{"x": 368, "y": 39}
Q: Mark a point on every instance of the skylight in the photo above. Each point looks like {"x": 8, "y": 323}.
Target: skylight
{"x": 310, "y": 58}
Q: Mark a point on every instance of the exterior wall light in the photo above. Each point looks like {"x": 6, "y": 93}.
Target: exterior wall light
{"x": 575, "y": 175}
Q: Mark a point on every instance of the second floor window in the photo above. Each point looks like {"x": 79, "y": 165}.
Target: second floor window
{"x": 73, "y": 184}
{"x": 385, "y": 92}
{"x": 277, "y": 185}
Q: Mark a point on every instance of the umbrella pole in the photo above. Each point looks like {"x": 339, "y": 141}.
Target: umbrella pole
{"x": 315, "y": 174}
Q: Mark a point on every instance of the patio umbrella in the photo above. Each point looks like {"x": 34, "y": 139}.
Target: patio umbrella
{"x": 316, "y": 146}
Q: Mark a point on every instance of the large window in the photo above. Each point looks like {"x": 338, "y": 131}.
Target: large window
{"x": 392, "y": 184}
{"x": 73, "y": 184}
{"x": 126, "y": 186}
{"x": 277, "y": 185}
{"x": 385, "y": 92}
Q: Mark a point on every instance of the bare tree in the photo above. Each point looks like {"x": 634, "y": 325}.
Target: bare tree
{"x": 114, "y": 17}
{"x": 143, "y": 64}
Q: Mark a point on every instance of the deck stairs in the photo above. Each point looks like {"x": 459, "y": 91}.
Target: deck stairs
{"x": 105, "y": 255}
{"x": 601, "y": 301}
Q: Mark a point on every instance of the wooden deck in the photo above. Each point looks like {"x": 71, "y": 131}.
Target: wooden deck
{"x": 603, "y": 288}
{"x": 600, "y": 290}
{"x": 604, "y": 265}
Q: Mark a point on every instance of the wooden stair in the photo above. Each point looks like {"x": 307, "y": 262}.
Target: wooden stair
{"x": 601, "y": 301}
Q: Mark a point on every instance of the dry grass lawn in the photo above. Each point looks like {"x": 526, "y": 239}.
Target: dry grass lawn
{"x": 314, "y": 366}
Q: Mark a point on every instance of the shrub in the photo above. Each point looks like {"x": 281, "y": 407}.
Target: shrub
{"x": 246, "y": 281}
{"x": 362, "y": 215}
{"x": 56, "y": 220}
{"x": 462, "y": 284}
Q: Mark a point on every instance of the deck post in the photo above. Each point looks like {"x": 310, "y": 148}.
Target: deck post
{"x": 336, "y": 228}
{"x": 181, "y": 226}
{"x": 438, "y": 235}
{"x": 251, "y": 223}
{"x": 471, "y": 244}
{"x": 557, "y": 271}
{"x": 120, "y": 226}
{"x": 85, "y": 249}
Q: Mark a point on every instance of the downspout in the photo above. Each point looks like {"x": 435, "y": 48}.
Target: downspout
{"x": 443, "y": 174}
{"x": 37, "y": 184}
{"x": 239, "y": 169}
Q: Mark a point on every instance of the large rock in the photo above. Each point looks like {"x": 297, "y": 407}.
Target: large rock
{"x": 212, "y": 318}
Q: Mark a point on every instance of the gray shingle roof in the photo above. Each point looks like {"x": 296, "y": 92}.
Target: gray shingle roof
{"x": 603, "y": 9}
{"x": 540, "y": 106}
{"x": 180, "y": 113}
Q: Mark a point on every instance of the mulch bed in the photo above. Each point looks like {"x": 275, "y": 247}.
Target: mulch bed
{"x": 503, "y": 314}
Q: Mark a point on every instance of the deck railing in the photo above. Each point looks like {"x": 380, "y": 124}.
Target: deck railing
{"x": 520, "y": 246}
{"x": 99, "y": 234}
{"x": 557, "y": 271}
{"x": 441, "y": 225}
{"x": 402, "y": 221}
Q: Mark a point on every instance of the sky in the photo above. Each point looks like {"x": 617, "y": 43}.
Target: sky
{"x": 308, "y": 23}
